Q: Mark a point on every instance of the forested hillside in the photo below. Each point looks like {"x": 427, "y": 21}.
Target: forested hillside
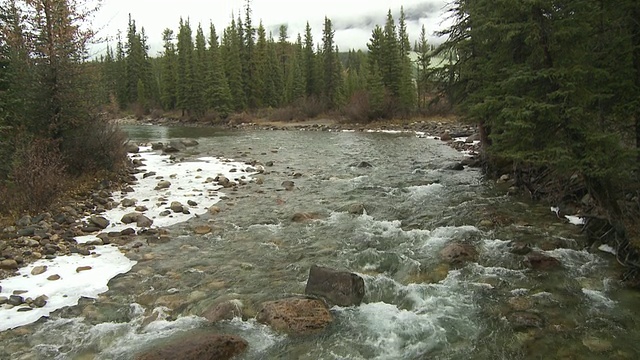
{"x": 209, "y": 73}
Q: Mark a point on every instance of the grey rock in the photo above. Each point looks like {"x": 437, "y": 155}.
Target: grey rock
{"x": 340, "y": 288}
{"x": 99, "y": 221}
{"x": 24, "y": 221}
{"x": 128, "y": 202}
{"x": 288, "y": 185}
{"x": 176, "y": 206}
{"x": 15, "y": 300}
{"x": 130, "y": 217}
{"x": 144, "y": 221}
{"x": 295, "y": 315}
{"x": 189, "y": 142}
{"x": 164, "y": 184}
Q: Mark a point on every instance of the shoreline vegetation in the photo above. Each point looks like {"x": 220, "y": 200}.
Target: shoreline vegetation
{"x": 560, "y": 121}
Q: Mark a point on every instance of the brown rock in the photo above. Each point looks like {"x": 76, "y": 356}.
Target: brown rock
{"x": 456, "y": 253}
{"x": 8, "y": 264}
{"x": 288, "y": 185}
{"x": 198, "y": 347}
{"x": 341, "y": 288}
{"x": 522, "y": 320}
{"x": 202, "y": 230}
{"x": 38, "y": 270}
{"x": 295, "y": 315}
{"x": 224, "y": 311}
{"x": 54, "y": 277}
{"x": 82, "y": 268}
{"x": 303, "y": 217}
{"x": 539, "y": 261}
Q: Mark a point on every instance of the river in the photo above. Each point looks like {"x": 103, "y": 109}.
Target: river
{"x": 416, "y": 306}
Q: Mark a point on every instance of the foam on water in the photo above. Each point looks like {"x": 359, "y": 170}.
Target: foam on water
{"x": 422, "y": 191}
{"x": 420, "y": 318}
{"x": 579, "y": 261}
{"x": 598, "y": 298}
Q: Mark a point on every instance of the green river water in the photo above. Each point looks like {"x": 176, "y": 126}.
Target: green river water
{"x": 415, "y": 307}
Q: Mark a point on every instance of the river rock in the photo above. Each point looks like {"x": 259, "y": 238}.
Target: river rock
{"x": 173, "y": 147}
{"x": 304, "y": 217}
{"x": 15, "y": 300}
{"x": 226, "y": 310}
{"x": 223, "y": 180}
{"x": 340, "y": 288}
{"x": 288, "y": 185}
{"x": 128, "y": 203}
{"x": 24, "y": 221}
{"x": 157, "y": 146}
{"x": 40, "y": 301}
{"x": 143, "y": 221}
{"x": 163, "y": 184}
{"x": 130, "y": 217}
{"x": 522, "y": 320}
{"x": 132, "y": 148}
{"x": 458, "y": 166}
{"x": 295, "y": 315}
{"x": 202, "y": 229}
{"x": 99, "y": 221}
{"x": 538, "y": 261}
{"x": 198, "y": 347}
{"x": 457, "y": 253}
{"x": 176, "y": 207}
{"x": 8, "y": 264}
{"x": 3, "y": 300}
{"x": 519, "y": 248}
{"x": 356, "y": 209}
{"x": 189, "y": 142}
{"x": 214, "y": 210}
{"x": 445, "y": 136}
{"x": 192, "y": 203}
{"x": 39, "y": 270}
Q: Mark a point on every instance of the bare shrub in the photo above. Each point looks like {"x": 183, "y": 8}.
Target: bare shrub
{"x": 311, "y": 107}
{"x": 288, "y": 113}
{"x": 37, "y": 176}
{"x": 97, "y": 145}
{"x": 156, "y": 114}
{"x": 240, "y": 118}
{"x": 358, "y": 108}
{"x": 139, "y": 110}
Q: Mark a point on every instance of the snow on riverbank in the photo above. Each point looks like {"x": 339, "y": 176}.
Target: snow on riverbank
{"x": 50, "y": 285}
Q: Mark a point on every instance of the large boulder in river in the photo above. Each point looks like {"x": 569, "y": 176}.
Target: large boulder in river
{"x": 173, "y": 147}
{"x": 189, "y": 142}
{"x": 295, "y": 315}
{"x": 457, "y": 253}
{"x": 340, "y": 288}
{"x": 198, "y": 347}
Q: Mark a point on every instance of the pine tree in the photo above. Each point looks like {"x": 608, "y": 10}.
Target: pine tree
{"x": 406, "y": 91}
{"x": 259, "y": 71}
{"x": 184, "y": 79}
{"x": 200, "y": 68}
{"x": 332, "y": 74}
{"x": 423, "y": 76}
{"x": 218, "y": 93}
{"x": 296, "y": 84}
{"x": 230, "y": 49}
{"x": 309, "y": 64}
{"x": 274, "y": 87}
{"x": 169, "y": 71}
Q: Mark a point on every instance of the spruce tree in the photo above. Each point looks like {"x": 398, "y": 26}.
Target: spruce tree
{"x": 169, "y": 71}
{"x": 219, "y": 94}
{"x": 230, "y": 49}
{"x": 200, "y": 68}
{"x": 331, "y": 68}
{"x": 309, "y": 64}
{"x": 184, "y": 79}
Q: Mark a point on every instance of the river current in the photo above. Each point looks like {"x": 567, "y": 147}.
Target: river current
{"x": 416, "y": 306}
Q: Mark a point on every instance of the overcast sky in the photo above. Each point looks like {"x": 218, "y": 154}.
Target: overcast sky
{"x": 353, "y": 20}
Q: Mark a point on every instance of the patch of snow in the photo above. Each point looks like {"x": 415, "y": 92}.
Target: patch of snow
{"x": 72, "y": 285}
{"x": 608, "y": 249}
{"x": 575, "y": 220}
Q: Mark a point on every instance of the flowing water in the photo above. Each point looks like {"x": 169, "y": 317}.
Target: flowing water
{"x": 415, "y": 307}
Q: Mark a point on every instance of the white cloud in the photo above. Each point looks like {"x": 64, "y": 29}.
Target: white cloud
{"x": 353, "y": 19}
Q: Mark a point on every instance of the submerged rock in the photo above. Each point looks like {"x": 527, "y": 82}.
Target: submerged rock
{"x": 295, "y": 315}
{"x": 457, "y": 254}
{"x": 538, "y": 261}
{"x": 340, "y": 288}
{"x": 226, "y": 310}
{"x": 198, "y": 347}
{"x": 522, "y": 320}
{"x": 288, "y": 185}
